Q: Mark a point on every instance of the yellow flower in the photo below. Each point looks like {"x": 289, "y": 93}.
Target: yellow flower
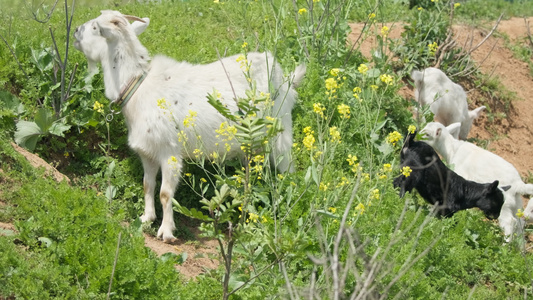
{"x": 352, "y": 159}
{"x": 264, "y": 219}
{"x": 420, "y": 8}
{"x": 456, "y": 5}
{"x": 197, "y": 153}
{"x": 344, "y": 110}
{"x": 374, "y": 87}
{"x": 189, "y": 119}
{"x": 357, "y": 89}
{"x": 252, "y": 218}
{"x": 244, "y": 45}
{"x": 387, "y": 168}
{"x": 334, "y": 72}
{"x": 188, "y": 174}
{"x": 371, "y": 15}
{"x": 360, "y": 208}
{"x": 366, "y": 176}
{"x": 98, "y": 107}
{"x": 334, "y": 134}
{"x": 319, "y": 109}
{"x": 203, "y": 180}
{"x": 307, "y": 130}
{"x": 331, "y": 84}
{"x": 332, "y": 209}
{"x": 162, "y": 103}
{"x": 385, "y": 31}
{"x": 411, "y": 129}
{"x": 520, "y": 213}
{"x": 323, "y": 186}
{"x": 393, "y": 137}
{"x": 386, "y": 78}
{"x": 406, "y": 171}
{"x": 309, "y": 141}
{"x": 432, "y": 48}
{"x": 302, "y": 11}
{"x": 362, "y": 69}
{"x": 374, "y": 194}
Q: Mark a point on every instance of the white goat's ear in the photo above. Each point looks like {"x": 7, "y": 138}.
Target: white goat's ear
{"x": 454, "y": 129}
{"x": 139, "y": 27}
{"x": 133, "y": 18}
{"x": 474, "y": 114}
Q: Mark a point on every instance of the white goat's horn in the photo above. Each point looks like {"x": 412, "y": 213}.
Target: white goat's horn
{"x": 134, "y": 18}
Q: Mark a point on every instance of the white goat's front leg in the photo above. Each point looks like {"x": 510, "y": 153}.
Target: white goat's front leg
{"x": 170, "y": 172}
{"x": 508, "y": 221}
{"x": 150, "y": 172}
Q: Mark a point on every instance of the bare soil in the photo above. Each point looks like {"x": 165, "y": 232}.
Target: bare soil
{"x": 509, "y": 137}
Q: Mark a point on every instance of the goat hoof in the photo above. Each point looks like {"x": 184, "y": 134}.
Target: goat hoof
{"x": 167, "y": 237}
{"x": 147, "y": 219}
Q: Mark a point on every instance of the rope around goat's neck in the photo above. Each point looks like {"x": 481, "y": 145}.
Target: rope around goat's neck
{"x": 129, "y": 90}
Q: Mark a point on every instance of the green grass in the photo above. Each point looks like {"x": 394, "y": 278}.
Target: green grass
{"x": 67, "y": 235}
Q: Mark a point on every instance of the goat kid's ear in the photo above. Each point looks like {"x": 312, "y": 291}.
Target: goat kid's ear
{"x": 505, "y": 188}
{"x": 493, "y": 186}
{"x": 454, "y": 129}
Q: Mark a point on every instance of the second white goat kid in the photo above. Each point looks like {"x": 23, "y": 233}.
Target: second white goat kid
{"x": 446, "y": 99}
{"x": 182, "y": 88}
{"x": 477, "y": 164}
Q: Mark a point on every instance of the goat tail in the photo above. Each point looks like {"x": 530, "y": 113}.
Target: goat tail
{"x": 417, "y": 76}
{"x": 298, "y": 75}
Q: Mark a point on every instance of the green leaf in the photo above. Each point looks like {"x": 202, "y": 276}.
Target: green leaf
{"x": 180, "y": 259}
{"x": 27, "y": 134}
{"x": 110, "y": 192}
{"x": 58, "y": 128}
{"x": 44, "y": 119}
{"x": 192, "y": 213}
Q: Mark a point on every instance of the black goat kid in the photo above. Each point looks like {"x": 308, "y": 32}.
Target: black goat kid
{"x": 440, "y": 186}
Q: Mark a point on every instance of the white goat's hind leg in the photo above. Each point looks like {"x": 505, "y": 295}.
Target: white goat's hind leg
{"x": 282, "y": 147}
{"x": 150, "y": 172}
{"x": 170, "y": 177}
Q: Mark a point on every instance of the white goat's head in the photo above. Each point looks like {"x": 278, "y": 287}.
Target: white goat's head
{"x": 435, "y": 130}
{"x": 91, "y": 40}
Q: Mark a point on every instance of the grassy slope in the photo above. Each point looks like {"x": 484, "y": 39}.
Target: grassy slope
{"x": 82, "y": 228}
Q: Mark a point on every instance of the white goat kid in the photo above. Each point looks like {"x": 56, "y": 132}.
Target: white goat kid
{"x": 183, "y": 88}
{"x": 446, "y": 99}
{"x": 477, "y": 164}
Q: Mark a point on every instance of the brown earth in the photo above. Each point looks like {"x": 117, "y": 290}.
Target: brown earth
{"x": 510, "y": 137}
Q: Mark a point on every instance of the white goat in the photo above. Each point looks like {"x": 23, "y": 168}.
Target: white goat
{"x": 477, "y": 164}
{"x": 446, "y": 99}
{"x": 184, "y": 88}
